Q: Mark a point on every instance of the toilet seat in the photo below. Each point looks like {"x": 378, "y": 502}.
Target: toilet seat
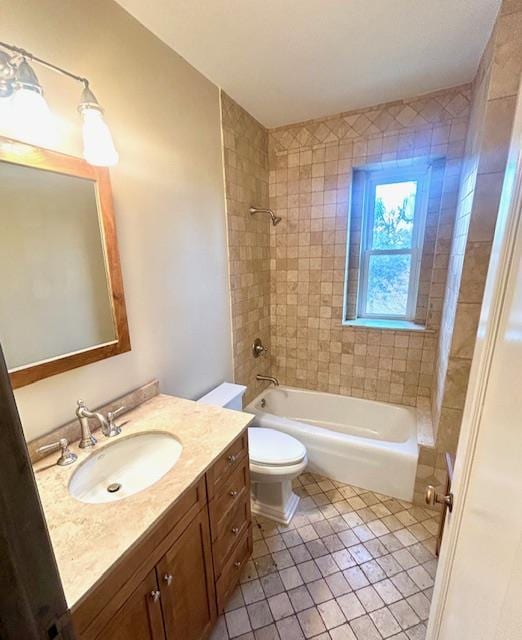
{"x": 271, "y": 448}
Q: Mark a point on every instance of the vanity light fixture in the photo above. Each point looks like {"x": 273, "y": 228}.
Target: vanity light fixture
{"x": 23, "y": 105}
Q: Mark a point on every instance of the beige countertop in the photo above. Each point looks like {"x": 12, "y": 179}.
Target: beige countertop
{"x": 88, "y": 538}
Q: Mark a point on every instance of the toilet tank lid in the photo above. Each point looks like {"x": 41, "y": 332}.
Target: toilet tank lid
{"x": 224, "y": 394}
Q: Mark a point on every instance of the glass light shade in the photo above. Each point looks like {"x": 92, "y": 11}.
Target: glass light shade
{"x": 98, "y": 147}
{"x": 30, "y": 118}
{"x": 6, "y": 116}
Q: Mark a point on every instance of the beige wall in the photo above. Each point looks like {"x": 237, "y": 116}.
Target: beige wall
{"x": 168, "y": 194}
{"x": 245, "y": 152}
{"x": 311, "y": 166}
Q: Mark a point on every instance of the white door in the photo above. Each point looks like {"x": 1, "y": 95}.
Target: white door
{"x": 478, "y": 590}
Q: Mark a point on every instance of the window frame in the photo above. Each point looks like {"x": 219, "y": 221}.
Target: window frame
{"x": 389, "y": 176}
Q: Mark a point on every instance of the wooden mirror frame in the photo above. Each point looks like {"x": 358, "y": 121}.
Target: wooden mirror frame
{"x": 23, "y": 154}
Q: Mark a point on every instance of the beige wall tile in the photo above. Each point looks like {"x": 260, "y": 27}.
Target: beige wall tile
{"x": 487, "y": 198}
{"x": 487, "y": 144}
{"x": 496, "y": 134}
{"x": 245, "y": 157}
{"x": 510, "y": 6}
{"x": 465, "y": 330}
{"x": 507, "y": 59}
{"x": 383, "y": 365}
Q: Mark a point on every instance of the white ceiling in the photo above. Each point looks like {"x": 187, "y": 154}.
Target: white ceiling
{"x": 291, "y": 60}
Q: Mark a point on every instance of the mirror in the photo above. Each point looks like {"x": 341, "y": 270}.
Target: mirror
{"x": 60, "y": 277}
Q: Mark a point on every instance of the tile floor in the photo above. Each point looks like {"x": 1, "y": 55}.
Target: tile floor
{"x": 352, "y": 565}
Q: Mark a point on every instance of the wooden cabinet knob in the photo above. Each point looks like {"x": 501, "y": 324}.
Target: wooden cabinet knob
{"x": 155, "y": 595}
{"x": 237, "y": 564}
{"x": 234, "y": 493}
{"x": 235, "y": 530}
{"x": 168, "y": 579}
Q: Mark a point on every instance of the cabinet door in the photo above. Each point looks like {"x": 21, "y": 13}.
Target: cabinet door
{"x": 187, "y": 583}
{"x": 140, "y": 617}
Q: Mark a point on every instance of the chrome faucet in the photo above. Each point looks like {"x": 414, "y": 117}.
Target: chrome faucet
{"x": 109, "y": 429}
{"x": 270, "y": 379}
{"x": 83, "y": 414}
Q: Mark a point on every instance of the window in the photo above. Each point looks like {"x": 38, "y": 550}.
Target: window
{"x": 394, "y": 216}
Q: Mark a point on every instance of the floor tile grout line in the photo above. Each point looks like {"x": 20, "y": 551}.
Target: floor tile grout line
{"x": 324, "y": 510}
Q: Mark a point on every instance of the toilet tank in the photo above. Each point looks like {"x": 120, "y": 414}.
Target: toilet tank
{"x": 227, "y": 395}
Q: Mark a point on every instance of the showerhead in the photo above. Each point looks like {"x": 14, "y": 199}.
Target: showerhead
{"x": 275, "y": 219}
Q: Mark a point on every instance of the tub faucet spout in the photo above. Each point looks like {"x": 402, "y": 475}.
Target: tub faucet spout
{"x": 270, "y": 379}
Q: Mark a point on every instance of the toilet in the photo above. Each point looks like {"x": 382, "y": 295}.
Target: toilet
{"x": 275, "y": 460}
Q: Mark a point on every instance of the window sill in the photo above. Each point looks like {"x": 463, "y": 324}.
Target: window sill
{"x": 392, "y": 325}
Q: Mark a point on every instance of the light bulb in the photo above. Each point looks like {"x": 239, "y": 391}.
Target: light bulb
{"x": 6, "y": 116}
{"x": 31, "y": 118}
{"x": 98, "y": 147}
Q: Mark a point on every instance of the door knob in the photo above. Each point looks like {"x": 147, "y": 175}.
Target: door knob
{"x": 432, "y": 498}
{"x": 168, "y": 579}
{"x": 155, "y": 595}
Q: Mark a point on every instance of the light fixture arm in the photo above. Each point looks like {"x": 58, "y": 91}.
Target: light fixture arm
{"x": 30, "y": 56}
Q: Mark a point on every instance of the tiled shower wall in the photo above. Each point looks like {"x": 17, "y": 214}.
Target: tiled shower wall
{"x": 311, "y": 168}
{"x": 297, "y": 268}
{"x": 245, "y": 149}
{"x": 493, "y": 106}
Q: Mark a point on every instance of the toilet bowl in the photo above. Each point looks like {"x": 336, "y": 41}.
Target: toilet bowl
{"x": 275, "y": 460}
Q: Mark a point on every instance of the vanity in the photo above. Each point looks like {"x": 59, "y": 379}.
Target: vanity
{"x": 160, "y": 563}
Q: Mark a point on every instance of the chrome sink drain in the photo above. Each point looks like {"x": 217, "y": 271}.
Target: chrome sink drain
{"x": 115, "y": 486}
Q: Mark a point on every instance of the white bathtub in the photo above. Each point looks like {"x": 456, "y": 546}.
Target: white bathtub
{"x": 372, "y": 445}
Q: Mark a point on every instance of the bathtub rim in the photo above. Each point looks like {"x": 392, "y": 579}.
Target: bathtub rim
{"x": 422, "y": 414}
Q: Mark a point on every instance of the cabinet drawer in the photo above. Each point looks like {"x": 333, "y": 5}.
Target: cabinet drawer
{"x": 232, "y": 570}
{"x": 227, "y": 463}
{"x": 234, "y": 526}
{"x": 230, "y": 493}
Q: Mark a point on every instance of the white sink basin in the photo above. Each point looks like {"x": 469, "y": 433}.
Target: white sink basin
{"x": 125, "y": 467}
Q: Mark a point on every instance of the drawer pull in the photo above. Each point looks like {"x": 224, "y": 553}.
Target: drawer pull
{"x": 237, "y": 564}
{"x": 168, "y": 579}
{"x": 155, "y": 595}
{"x": 231, "y": 459}
{"x": 235, "y": 530}
{"x": 234, "y": 493}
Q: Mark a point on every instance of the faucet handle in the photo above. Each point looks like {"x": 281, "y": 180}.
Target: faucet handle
{"x": 66, "y": 457}
{"x": 114, "y": 429}
{"x": 80, "y": 404}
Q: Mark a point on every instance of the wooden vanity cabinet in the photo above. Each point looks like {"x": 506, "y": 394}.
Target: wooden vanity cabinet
{"x": 173, "y": 583}
{"x": 140, "y": 618}
{"x": 187, "y": 583}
